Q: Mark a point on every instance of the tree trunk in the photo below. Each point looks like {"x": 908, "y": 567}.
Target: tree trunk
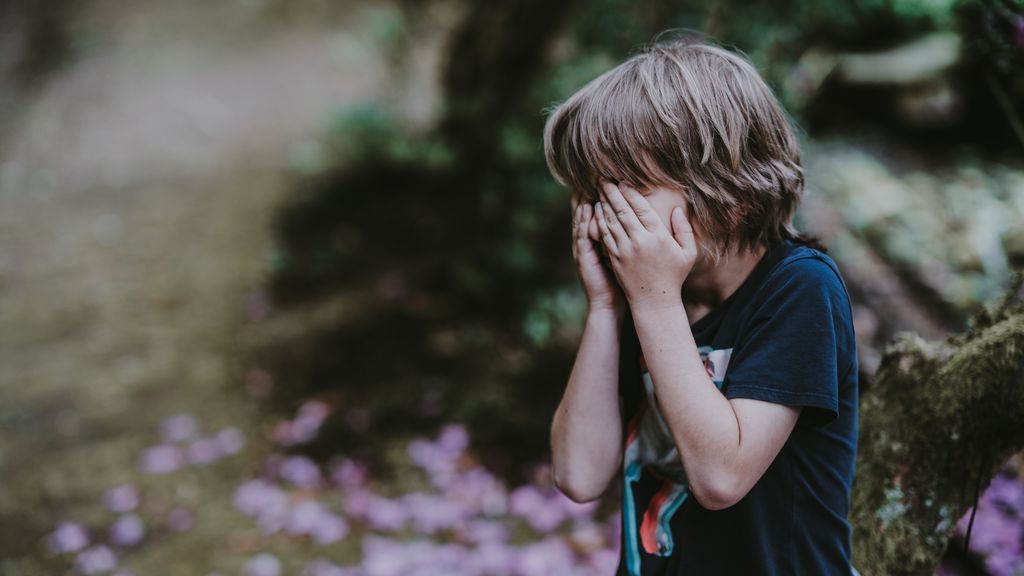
{"x": 935, "y": 426}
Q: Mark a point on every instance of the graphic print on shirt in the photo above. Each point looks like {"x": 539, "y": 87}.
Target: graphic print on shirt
{"x": 649, "y": 445}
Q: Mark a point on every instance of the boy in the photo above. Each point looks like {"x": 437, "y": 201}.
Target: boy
{"x": 717, "y": 368}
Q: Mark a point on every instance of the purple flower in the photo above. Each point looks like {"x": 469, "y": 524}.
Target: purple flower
{"x": 307, "y": 517}
{"x": 436, "y": 461}
{"x": 128, "y": 530}
{"x": 204, "y": 451}
{"x": 574, "y": 509}
{"x": 385, "y": 514}
{"x": 264, "y": 501}
{"x": 550, "y": 556}
{"x": 1004, "y": 563}
{"x": 300, "y": 471}
{"x": 231, "y": 440}
{"x": 530, "y": 503}
{"x": 68, "y": 537}
{"x": 349, "y": 474}
{"x": 588, "y": 536}
{"x": 479, "y": 532}
{"x": 492, "y": 558}
{"x": 96, "y": 560}
{"x": 386, "y": 557}
{"x": 357, "y": 502}
{"x": 263, "y": 565}
{"x": 307, "y": 422}
{"x": 603, "y": 561}
{"x": 383, "y": 556}
{"x": 329, "y": 529}
{"x": 161, "y": 459}
{"x": 453, "y": 439}
{"x": 478, "y": 490}
{"x": 431, "y": 513}
{"x": 178, "y": 428}
{"x": 123, "y": 498}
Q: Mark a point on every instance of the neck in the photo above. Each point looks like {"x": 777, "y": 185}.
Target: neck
{"x": 709, "y": 285}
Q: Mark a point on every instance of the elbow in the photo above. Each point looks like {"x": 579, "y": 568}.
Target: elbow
{"x": 577, "y": 492}
{"x": 719, "y": 493}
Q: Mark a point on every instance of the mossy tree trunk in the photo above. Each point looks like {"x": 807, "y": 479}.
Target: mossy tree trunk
{"x": 937, "y": 423}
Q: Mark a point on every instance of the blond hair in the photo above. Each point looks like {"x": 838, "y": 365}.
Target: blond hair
{"x": 688, "y": 115}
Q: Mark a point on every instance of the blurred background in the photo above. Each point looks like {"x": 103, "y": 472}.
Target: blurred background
{"x": 286, "y": 288}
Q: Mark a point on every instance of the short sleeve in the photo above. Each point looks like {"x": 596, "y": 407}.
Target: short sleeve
{"x": 790, "y": 351}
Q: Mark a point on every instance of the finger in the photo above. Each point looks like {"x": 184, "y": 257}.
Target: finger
{"x": 643, "y": 210}
{"x": 619, "y": 209}
{"x": 606, "y": 234}
{"x": 681, "y": 229}
{"x": 583, "y": 237}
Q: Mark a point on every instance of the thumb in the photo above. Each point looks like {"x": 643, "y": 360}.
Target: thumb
{"x": 681, "y": 229}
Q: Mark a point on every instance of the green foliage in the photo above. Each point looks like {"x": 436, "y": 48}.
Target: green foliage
{"x": 370, "y": 130}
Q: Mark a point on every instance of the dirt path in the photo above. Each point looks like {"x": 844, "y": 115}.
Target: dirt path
{"x": 135, "y": 194}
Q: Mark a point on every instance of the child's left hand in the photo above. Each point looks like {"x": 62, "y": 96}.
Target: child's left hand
{"x": 650, "y": 262}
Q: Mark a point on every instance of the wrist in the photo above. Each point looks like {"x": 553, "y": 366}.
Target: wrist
{"x": 605, "y": 316}
{"x": 652, "y": 305}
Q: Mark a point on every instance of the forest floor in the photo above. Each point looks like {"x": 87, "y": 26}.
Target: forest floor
{"x": 136, "y": 191}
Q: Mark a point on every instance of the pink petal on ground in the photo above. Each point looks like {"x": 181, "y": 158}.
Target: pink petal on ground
{"x": 525, "y": 500}
{"x": 204, "y": 451}
{"x": 573, "y": 509}
{"x": 603, "y": 561}
{"x": 264, "y": 501}
{"x": 383, "y": 556}
{"x": 479, "y": 532}
{"x": 329, "y": 529}
{"x": 549, "y": 556}
{"x": 231, "y": 440}
{"x": 431, "y": 513}
{"x": 178, "y": 428}
{"x": 386, "y": 514}
{"x": 161, "y": 459}
{"x": 304, "y": 516}
{"x": 357, "y": 502}
{"x": 300, "y": 471}
{"x": 68, "y": 537}
{"x": 479, "y": 491}
{"x": 123, "y": 498}
{"x": 263, "y": 565}
{"x": 128, "y": 530}
{"x": 96, "y": 560}
{"x": 492, "y": 558}
{"x": 453, "y": 439}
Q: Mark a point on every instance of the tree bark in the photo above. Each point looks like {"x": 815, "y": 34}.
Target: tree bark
{"x": 937, "y": 423}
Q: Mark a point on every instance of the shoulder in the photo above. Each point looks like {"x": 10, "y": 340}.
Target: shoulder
{"x": 806, "y": 272}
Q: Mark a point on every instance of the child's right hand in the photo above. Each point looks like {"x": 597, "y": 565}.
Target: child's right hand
{"x": 599, "y": 283}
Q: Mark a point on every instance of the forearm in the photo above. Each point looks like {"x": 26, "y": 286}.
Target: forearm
{"x": 702, "y": 420}
{"x": 586, "y": 433}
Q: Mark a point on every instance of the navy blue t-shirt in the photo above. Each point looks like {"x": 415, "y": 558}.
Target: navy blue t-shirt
{"x": 786, "y": 336}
